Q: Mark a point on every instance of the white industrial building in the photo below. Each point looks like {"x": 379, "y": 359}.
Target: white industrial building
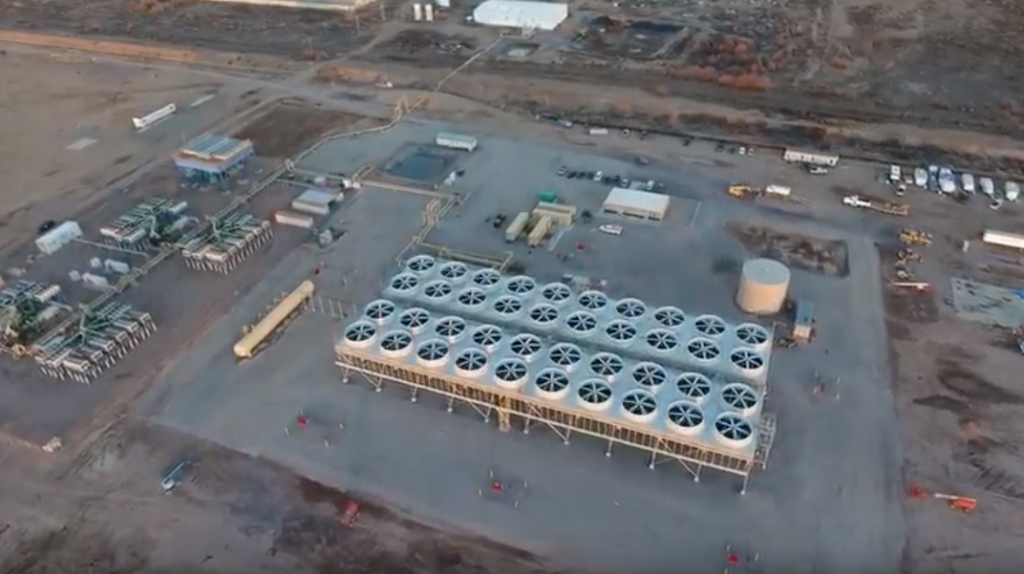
{"x": 521, "y": 14}
{"x": 689, "y": 389}
{"x": 456, "y": 141}
{"x": 51, "y": 241}
{"x": 636, "y": 203}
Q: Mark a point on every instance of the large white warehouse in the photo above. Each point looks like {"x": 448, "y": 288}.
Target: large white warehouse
{"x": 521, "y": 14}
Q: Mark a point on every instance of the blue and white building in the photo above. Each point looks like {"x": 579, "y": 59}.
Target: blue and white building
{"x": 212, "y": 159}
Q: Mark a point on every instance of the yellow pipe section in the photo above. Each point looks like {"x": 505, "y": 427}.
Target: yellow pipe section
{"x": 246, "y": 348}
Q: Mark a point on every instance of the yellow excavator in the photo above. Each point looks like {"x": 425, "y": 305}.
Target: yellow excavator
{"x": 915, "y": 237}
{"x": 740, "y": 191}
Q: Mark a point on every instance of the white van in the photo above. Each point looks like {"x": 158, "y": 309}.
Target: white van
{"x": 987, "y": 187}
{"x": 921, "y": 177}
{"x": 1011, "y": 191}
{"x": 610, "y": 229}
{"x": 967, "y": 182}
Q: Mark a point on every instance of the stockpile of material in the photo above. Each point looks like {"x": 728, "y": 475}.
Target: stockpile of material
{"x": 229, "y": 242}
{"x": 87, "y": 349}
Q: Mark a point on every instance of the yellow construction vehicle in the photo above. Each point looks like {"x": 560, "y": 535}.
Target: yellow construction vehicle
{"x": 740, "y": 191}
{"x": 915, "y": 237}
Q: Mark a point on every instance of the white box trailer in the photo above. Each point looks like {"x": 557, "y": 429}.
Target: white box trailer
{"x": 778, "y": 190}
{"x": 51, "y": 241}
{"x": 456, "y": 141}
{"x": 151, "y": 118}
{"x": 1003, "y": 239}
{"x": 293, "y": 219}
{"x": 810, "y": 158}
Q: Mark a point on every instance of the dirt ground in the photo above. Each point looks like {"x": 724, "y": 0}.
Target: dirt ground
{"x": 104, "y": 513}
{"x": 960, "y": 404}
{"x": 812, "y": 254}
{"x": 232, "y": 28}
{"x": 52, "y": 103}
{"x": 860, "y": 60}
{"x": 291, "y": 128}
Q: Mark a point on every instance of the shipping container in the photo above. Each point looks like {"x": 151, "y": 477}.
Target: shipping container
{"x": 560, "y": 214}
{"x": 311, "y": 208}
{"x": 811, "y": 158}
{"x": 516, "y": 228}
{"x": 293, "y": 219}
{"x": 456, "y": 141}
{"x": 1003, "y": 239}
{"x": 58, "y": 237}
{"x": 152, "y": 118}
{"x": 540, "y": 231}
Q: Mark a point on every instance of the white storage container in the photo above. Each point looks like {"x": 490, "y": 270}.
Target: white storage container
{"x": 779, "y": 190}
{"x": 312, "y": 208}
{"x": 456, "y": 141}
{"x": 293, "y": 219}
{"x": 58, "y": 237}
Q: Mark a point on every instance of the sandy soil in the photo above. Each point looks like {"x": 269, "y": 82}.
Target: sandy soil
{"x": 104, "y": 513}
{"x": 960, "y": 404}
{"x": 51, "y": 103}
{"x": 910, "y": 61}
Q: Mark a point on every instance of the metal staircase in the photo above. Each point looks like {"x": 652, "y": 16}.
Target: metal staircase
{"x": 765, "y": 438}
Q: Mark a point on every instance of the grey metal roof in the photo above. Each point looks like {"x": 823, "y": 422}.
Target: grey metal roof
{"x": 212, "y": 147}
{"x": 630, "y": 327}
{"x": 612, "y": 387}
{"x": 317, "y": 197}
{"x": 804, "y": 313}
{"x": 457, "y": 137}
{"x": 636, "y": 200}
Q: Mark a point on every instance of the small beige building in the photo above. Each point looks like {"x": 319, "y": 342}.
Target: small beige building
{"x": 636, "y": 203}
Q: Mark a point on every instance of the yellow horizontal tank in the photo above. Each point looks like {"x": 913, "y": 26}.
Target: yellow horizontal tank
{"x": 246, "y": 348}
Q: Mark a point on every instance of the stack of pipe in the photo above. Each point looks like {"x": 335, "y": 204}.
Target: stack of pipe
{"x": 84, "y": 354}
{"x": 236, "y": 238}
{"x": 132, "y": 229}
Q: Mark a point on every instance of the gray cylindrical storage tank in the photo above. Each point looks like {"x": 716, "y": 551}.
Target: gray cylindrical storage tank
{"x": 763, "y": 287}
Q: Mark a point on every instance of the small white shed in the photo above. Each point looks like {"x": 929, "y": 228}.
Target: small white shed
{"x": 636, "y": 203}
{"x": 58, "y": 237}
